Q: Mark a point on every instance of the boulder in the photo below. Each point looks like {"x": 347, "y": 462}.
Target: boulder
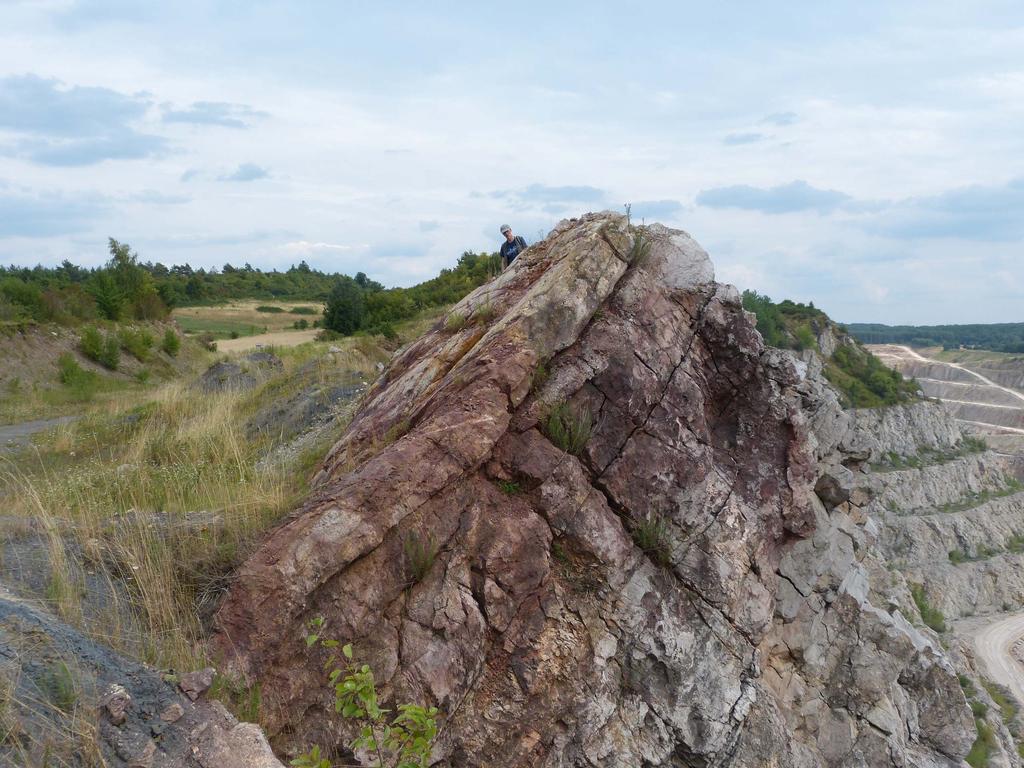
{"x": 241, "y": 374}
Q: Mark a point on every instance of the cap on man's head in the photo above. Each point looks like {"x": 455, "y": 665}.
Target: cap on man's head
{"x": 505, "y": 228}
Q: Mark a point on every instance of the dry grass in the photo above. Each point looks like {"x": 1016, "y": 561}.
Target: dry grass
{"x": 160, "y": 493}
{"x": 242, "y": 316}
{"x": 49, "y": 723}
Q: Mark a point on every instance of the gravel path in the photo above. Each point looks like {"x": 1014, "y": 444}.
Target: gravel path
{"x": 994, "y": 643}
{"x": 280, "y": 339}
{"x": 13, "y": 437}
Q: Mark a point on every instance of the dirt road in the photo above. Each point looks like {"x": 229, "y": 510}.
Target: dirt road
{"x": 16, "y": 436}
{"x": 281, "y": 339}
{"x": 993, "y": 643}
{"x": 958, "y": 366}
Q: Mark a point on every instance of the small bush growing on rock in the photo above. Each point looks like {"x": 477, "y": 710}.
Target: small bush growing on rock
{"x": 983, "y": 747}
{"x": 569, "y": 429}
{"x": 244, "y": 699}
{"x": 396, "y": 431}
{"x": 510, "y": 487}
{"x": 171, "y": 343}
{"x": 973, "y": 444}
{"x": 403, "y": 741}
{"x": 301, "y": 324}
{"x": 651, "y": 535}
{"x": 932, "y": 617}
{"x": 420, "y": 552}
{"x": 1003, "y": 699}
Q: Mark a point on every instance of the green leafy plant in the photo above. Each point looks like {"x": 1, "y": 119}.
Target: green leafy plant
{"x": 420, "y": 552}
{"x": 510, "y": 487}
{"x": 568, "y": 428}
{"x": 402, "y": 741}
{"x": 311, "y": 759}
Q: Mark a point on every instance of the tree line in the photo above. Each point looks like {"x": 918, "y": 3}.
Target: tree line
{"x": 998, "y": 337}
{"x": 126, "y": 288}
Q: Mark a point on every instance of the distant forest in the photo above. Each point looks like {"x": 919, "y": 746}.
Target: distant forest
{"x": 126, "y": 288}
{"x": 999, "y": 337}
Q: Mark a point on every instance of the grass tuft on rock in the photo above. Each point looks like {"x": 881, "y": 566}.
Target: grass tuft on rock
{"x": 930, "y": 615}
{"x": 569, "y": 428}
{"x": 420, "y": 554}
{"x": 651, "y": 535}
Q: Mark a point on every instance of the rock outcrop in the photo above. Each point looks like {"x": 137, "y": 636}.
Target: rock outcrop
{"x": 633, "y": 566}
{"x": 65, "y": 700}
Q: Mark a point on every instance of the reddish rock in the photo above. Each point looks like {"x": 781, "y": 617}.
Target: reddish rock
{"x": 195, "y": 684}
{"x": 542, "y": 628}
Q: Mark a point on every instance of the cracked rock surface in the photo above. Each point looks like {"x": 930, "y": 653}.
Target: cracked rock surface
{"x": 739, "y": 634}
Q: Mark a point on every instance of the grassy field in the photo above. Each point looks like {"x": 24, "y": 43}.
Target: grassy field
{"x": 161, "y": 493}
{"x": 245, "y": 318}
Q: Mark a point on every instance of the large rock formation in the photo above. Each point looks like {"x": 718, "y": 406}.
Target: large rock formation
{"x": 741, "y": 632}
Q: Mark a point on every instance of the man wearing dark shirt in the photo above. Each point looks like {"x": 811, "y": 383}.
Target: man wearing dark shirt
{"x": 512, "y": 247}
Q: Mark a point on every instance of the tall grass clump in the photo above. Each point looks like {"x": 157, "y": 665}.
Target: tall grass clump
{"x": 651, "y": 535}
{"x": 420, "y": 553}
{"x": 568, "y": 428}
{"x": 930, "y": 615}
{"x": 173, "y": 494}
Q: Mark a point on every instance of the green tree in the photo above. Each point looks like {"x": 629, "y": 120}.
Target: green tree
{"x": 346, "y": 307}
{"x": 110, "y": 299}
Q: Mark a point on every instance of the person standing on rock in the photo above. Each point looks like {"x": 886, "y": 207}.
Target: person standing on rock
{"x": 512, "y": 247}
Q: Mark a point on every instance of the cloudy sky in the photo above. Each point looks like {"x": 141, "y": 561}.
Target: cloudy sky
{"x": 868, "y": 157}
